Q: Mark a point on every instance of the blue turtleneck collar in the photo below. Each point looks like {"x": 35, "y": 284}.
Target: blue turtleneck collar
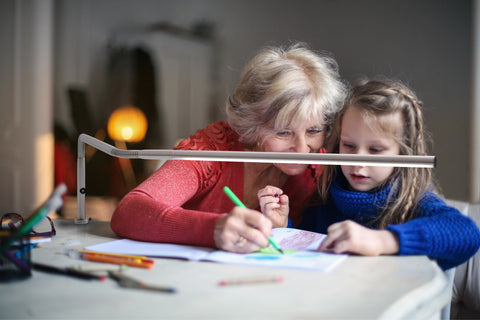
{"x": 363, "y": 207}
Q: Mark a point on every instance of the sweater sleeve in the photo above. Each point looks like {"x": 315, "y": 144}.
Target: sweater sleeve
{"x": 440, "y": 232}
{"x": 153, "y": 211}
{"x": 179, "y": 203}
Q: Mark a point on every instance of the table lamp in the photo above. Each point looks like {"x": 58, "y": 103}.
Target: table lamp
{"x": 234, "y": 156}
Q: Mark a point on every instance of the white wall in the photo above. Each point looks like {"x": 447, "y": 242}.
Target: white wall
{"x": 425, "y": 43}
{"x": 26, "y": 117}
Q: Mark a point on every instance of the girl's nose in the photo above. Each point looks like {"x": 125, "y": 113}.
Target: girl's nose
{"x": 360, "y": 151}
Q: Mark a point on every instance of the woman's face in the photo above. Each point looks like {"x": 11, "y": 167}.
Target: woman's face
{"x": 306, "y": 138}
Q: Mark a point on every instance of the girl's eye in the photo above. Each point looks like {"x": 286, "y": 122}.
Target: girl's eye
{"x": 349, "y": 146}
{"x": 376, "y": 150}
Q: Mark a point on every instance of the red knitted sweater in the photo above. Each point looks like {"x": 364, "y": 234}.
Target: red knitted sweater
{"x": 182, "y": 201}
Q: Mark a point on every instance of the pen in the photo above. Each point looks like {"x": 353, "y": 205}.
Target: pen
{"x": 128, "y": 282}
{"x": 250, "y": 281}
{"x": 239, "y": 203}
{"x": 122, "y": 259}
{"x": 68, "y": 271}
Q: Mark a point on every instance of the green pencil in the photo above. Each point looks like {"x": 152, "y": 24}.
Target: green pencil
{"x": 239, "y": 203}
{"x": 52, "y": 204}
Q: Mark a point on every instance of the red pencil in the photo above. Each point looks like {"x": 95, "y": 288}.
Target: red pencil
{"x": 250, "y": 281}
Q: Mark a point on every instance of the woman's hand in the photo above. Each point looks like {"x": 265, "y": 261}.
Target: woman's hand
{"x": 242, "y": 230}
{"x": 351, "y": 237}
{"x": 274, "y": 205}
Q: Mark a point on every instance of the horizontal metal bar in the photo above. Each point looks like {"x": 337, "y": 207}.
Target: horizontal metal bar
{"x": 279, "y": 157}
{"x": 237, "y": 156}
{"x": 265, "y": 157}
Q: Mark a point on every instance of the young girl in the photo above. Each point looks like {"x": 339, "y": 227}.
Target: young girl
{"x": 372, "y": 210}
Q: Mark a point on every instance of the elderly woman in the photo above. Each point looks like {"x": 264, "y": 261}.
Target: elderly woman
{"x": 282, "y": 103}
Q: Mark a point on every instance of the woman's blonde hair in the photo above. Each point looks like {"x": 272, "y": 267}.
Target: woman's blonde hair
{"x": 376, "y": 98}
{"x": 282, "y": 87}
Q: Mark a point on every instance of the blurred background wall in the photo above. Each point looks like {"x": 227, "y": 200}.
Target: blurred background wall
{"x": 193, "y": 50}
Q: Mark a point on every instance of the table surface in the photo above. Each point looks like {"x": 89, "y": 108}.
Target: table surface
{"x": 386, "y": 287}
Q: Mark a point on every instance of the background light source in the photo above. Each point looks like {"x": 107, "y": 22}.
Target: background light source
{"x": 128, "y": 124}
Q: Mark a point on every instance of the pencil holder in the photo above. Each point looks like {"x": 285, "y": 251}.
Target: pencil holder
{"x": 15, "y": 262}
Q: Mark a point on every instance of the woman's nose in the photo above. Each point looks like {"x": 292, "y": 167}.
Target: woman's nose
{"x": 301, "y": 144}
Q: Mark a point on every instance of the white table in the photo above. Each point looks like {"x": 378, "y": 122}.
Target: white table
{"x": 386, "y": 287}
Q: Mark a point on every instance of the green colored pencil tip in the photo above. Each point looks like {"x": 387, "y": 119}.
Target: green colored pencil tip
{"x": 275, "y": 245}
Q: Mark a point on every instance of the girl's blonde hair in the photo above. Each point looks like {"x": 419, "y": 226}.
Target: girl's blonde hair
{"x": 385, "y": 97}
{"x": 282, "y": 87}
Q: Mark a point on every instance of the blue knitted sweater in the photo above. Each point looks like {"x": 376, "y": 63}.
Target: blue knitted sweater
{"x": 438, "y": 231}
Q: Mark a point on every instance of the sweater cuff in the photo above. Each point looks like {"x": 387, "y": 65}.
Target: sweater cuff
{"x": 412, "y": 241}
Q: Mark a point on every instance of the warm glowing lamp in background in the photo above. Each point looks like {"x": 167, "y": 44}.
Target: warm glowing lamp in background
{"x": 127, "y": 124}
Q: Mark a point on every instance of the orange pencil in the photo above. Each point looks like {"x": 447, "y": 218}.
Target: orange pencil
{"x": 113, "y": 254}
{"x": 122, "y": 259}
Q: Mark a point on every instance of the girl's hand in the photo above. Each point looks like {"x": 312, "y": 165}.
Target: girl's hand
{"x": 351, "y": 237}
{"x": 274, "y": 205}
{"x": 242, "y": 231}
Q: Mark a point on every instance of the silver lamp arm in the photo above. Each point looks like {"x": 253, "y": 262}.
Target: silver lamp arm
{"x": 235, "y": 156}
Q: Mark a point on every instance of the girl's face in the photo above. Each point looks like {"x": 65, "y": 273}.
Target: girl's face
{"x": 306, "y": 138}
{"x": 359, "y": 137}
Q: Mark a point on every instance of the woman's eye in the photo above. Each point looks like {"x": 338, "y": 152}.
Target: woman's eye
{"x": 348, "y": 146}
{"x": 284, "y": 133}
{"x": 314, "y": 130}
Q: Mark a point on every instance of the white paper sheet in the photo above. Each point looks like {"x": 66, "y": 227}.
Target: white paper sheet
{"x": 289, "y": 239}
